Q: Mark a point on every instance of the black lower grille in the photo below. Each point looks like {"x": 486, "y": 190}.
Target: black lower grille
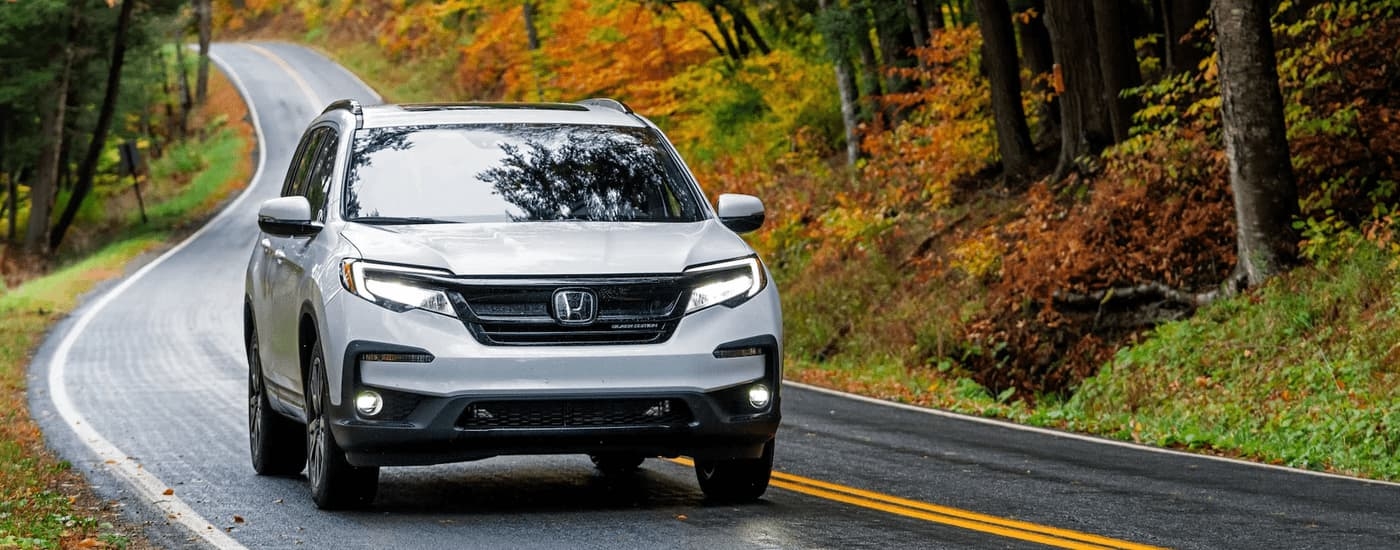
{"x": 551, "y": 333}
{"x": 581, "y": 413}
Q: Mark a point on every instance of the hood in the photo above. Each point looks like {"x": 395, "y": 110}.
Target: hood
{"x": 548, "y": 248}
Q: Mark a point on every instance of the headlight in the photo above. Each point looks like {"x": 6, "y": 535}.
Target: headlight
{"x": 730, "y": 283}
{"x": 393, "y": 288}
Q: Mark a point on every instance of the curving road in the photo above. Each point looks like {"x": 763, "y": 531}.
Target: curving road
{"x": 143, "y": 389}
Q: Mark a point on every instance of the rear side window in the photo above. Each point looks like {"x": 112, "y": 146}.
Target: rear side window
{"x": 318, "y": 182}
{"x": 301, "y": 163}
{"x": 516, "y": 173}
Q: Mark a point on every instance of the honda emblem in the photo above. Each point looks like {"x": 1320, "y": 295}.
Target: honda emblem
{"x": 575, "y": 306}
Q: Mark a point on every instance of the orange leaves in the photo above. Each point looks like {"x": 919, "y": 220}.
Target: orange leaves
{"x": 948, "y": 134}
{"x": 629, "y": 51}
{"x": 623, "y": 50}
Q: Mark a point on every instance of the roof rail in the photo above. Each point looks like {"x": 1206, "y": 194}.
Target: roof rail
{"x": 607, "y": 103}
{"x": 349, "y": 104}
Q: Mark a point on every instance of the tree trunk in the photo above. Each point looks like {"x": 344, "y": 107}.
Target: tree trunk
{"x": 870, "y": 63}
{"x": 183, "y": 82}
{"x": 204, "y": 13}
{"x": 88, "y": 170}
{"x": 14, "y": 204}
{"x": 1256, "y": 141}
{"x": 896, "y": 45}
{"x": 918, "y": 24}
{"x": 11, "y": 189}
{"x": 1178, "y": 17}
{"x": 933, "y": 14}
{"x": 723, "y": 30}
{"x": 1038, "y": 59}
{"x": 744, "y": 26}
{"x": 1119, "y": 65}
{"x": 532, "y": 34}
{"x": 999, "y": 53}
{"x": 845, "y": 86}
{"x": 44, "y": 187}
{"x": 532, "y": 42}
{"x": 1084, "y": 124}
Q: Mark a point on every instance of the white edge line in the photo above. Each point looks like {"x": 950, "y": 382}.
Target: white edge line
{"x": 118, "y": 462}
{"x": 1081, "y": 437}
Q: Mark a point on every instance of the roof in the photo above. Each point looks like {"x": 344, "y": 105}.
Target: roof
{"x": 591, "y": 111}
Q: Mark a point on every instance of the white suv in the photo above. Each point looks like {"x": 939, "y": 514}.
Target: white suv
{"x": 450, "y": 282}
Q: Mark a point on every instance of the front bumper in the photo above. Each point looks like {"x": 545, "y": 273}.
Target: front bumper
{"x": 429, "y": 401}
{"x": 434, "y": 434}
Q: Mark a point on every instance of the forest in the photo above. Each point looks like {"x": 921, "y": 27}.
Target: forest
{"x": 1003, "y": 193}
{"x": 82, "y": 78}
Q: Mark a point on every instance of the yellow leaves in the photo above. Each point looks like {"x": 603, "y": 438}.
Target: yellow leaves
{"x": 978, "y": 257}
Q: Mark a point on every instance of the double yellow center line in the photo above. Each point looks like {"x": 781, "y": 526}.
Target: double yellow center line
{"x": 966, "y": 519}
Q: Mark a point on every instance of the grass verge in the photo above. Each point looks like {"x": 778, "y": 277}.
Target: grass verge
{"x": 1303, "y": 372}
{"x": 43, "y": 502}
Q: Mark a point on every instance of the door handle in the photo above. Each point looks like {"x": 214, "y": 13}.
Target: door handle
{"x": 266, "y": 245}
{"x": 279, "y": 256}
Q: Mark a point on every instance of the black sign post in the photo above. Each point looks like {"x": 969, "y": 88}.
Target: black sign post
{"x": 131, "y": 166}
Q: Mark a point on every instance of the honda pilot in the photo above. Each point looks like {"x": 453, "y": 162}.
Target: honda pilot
{"x": 451, "y": 282}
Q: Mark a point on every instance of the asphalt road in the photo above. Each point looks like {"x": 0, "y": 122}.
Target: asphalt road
{"x": 144, "y": 389}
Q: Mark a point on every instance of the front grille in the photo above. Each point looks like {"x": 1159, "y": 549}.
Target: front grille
{"x": 577, "y": 413}
{"x": 629, "y": 311}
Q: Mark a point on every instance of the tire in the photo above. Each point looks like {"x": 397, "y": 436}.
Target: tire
{"x": 617, "y": 464}
{"x": 736, "y": 480}
{"x": 277, "y": 443}
{"x": 335, "y": 484}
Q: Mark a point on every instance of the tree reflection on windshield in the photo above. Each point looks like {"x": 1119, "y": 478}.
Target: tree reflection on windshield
{"x": 367, "y": 145}
{"x": 591, "y": 175}
{"x": 516, "y": 173}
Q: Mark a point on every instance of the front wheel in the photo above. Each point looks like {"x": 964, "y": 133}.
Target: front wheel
{"x": 274, "y": 441}
{"x": 335, "y": 483}
{"x": 736, "y": 480}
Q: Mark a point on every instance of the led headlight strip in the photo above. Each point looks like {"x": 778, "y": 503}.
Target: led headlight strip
{"x": 387, "y": 286}
{"x": 730, "y": 283}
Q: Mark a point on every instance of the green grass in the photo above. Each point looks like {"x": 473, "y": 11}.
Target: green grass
{"x": 39, "y": 495}
{"x": 36, "y": 509}
{"x": 1303, "y": 372}
{"x": 215, "y": 166}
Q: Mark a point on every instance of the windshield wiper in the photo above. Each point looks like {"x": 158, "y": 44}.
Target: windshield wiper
{"x": 397, "y": 220}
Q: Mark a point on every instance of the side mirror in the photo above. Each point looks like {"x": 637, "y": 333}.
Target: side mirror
{"x": 740, "y": 213}
{"x": 287, "y": 217}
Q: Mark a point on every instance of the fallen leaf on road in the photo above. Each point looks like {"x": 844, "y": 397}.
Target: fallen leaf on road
{"x": 88, "y": 543}
{"x": 168, "y": 492}
{"x": 681, "y": 517}
{"x": 237, "y": 518}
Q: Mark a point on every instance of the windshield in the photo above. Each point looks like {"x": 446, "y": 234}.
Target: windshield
{"x": 515, "y": 173}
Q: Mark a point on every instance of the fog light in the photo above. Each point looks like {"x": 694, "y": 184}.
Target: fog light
{"x": 369, "y": 403}
{"x": 759, "y": 396}
{"x": 733, "y": 353}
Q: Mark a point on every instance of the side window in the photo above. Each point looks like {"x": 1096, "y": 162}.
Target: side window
{"x": 318, "y": 184}
{"x": 301, "y": 163}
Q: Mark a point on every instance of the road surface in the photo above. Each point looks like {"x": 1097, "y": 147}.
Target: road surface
{"x": 143, "y": 389}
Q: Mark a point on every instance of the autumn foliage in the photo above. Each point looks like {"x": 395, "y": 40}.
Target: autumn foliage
{"x": 919, "y": 256}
